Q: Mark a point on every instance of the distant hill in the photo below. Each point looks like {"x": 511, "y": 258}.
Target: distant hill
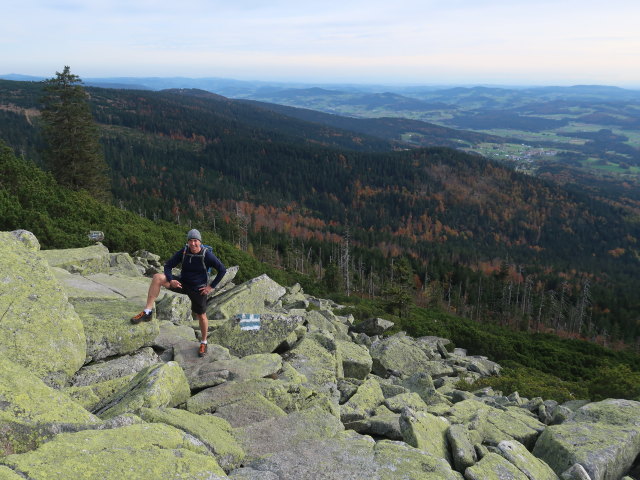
{"x": 401, "y": 130}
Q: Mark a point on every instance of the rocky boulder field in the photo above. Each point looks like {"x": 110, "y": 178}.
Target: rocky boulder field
{"x": 84, "y": 394}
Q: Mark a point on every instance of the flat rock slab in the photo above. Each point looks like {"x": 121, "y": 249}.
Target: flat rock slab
{"x": 135, "y": 452}
{"x": 103, "y": 286}
{"x": 87, "y": 260}
{"x": 214, "y": 432}
{"x": 348, "y": 455}
{"x": 206, "y": 374}
{"x": 115, "y": 368}
{"x": 275, "y": 329}
{"x": 285, "y": 433}
{"x": 109, "y": 331}
{"x": 251, "y": 408}
{"x": 31, "y": 412}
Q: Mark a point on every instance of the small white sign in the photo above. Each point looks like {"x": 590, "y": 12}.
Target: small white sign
{"x": 249, "y": 321}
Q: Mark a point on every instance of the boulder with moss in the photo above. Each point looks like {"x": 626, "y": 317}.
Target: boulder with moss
{"x": 214, "y": 432}
{"x": 162, "y": 385}
{"x": 115, "y": 367}
{"x": 109, "y": 331}
{"x": 356, "y": 360}
{"x": 134, "y": 452}
{"x": 31, "y": 412}
{"x": 315, "y": 358}
{"x": 494, "y": 467}
{"x": 525, "y": 461}
{"x": 426, "y": 432}
{"x": 603, "y": 437}
{"x": 36, "y": 312}
{"x": 83, "y": 261}
{"x": 363, "y": 403}
{"x": 398, "y": 355}
{"x": 497, "y": 424}
{"x": 258, "y": 295}
{"x": 275, "y": 330}
{"x": 347, "y": 454}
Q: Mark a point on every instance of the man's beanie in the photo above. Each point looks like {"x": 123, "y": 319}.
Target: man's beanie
{"x": 193, "y": 233}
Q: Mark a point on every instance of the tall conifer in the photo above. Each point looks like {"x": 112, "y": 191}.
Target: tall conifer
{"x": 74, "y": 153}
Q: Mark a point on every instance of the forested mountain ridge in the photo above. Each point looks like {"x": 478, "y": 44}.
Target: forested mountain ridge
{"x": 304, "y": 195}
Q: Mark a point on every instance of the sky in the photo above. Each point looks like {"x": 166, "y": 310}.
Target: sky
{"x": 425, "y": 42}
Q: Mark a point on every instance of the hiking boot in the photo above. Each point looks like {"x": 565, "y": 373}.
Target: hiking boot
{"x": 142, "y": 317}
{"x": 203, "y": 350}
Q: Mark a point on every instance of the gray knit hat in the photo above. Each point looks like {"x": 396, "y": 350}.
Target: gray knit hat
{"x": 193, "y": 233}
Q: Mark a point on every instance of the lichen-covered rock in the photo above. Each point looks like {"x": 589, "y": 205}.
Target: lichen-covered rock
{"x": 349, "y": 455}
{"x": 463, "y": 452}
{"x": 422, "y": 384}
{"x": 373, "y": 326}
{"x": 162, "y": 385}
{"x": 283, "y": 433}
{"x": 35, "y": 311}
{"x": 28, "y": 239}
{"x": 531, "y": 466}
{"x": 83, "y": 261}
{"x": 363, "y": 402}
{"x": 135, "y": 452}
{"x": 32, "y": 412}
{"x": 123, "y": 264}
{"x": 386, "y": 425}
{"x": 483, "y": 366}
{"x": 91, "y": 396}
{"x": 295, "y": 298}
{"x": 102, "y": 286}
{"x": 399, "y": 355}
{"x": 356, "y": 360}
{"x": 7, "y": 474}
{"x": 114, "y": 368}
{"x": 426, "y": 432}
{"x": 170, "y": 335}
{"x": 603, "y": 437}
{"x": 311, "y": 358}
{"x": 495, "y": 425}
{"x": 257, "y": 295}
{"x": 109, "y": 331}
{"x": 288, "y": 396}
{"x": 174, "y": 307}
{"x": 494, "y": 467}
{"x": 214, "y": 432}
{"x": 206, "y": 374}
{"x": 577, "y": 472}
{"x": 247, "y": 473}
{"x": 251, "y": 408}
{"x": 411, "y": 400}
{"x": 274, "y": 331}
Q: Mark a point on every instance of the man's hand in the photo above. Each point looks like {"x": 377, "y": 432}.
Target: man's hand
{"x": 206, "y": 290}
{"x": 175, "y": 284}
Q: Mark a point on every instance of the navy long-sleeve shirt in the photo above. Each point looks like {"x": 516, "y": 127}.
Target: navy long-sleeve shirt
{"x": 194, "y": 273}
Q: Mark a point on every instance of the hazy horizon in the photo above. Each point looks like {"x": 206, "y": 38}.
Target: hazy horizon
{"x": 409, "y": 42}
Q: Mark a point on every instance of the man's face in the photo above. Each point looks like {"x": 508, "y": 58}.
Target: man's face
{"x": 194, "y": 245}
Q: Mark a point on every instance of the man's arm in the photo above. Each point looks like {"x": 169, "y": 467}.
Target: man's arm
{"x": 212, "y": 261}
{"x": 171, "y": 263}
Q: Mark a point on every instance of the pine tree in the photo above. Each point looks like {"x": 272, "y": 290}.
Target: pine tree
{"x": 74, "y": 154}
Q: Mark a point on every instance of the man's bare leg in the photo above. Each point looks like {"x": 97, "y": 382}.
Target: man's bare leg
{"x": 204, "y": 326}
{"x": 157, "y": 281}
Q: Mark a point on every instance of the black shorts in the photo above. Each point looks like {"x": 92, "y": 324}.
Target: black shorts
{"x": 198, "y": 301}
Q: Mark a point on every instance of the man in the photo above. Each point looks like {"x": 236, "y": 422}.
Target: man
{"x": 193, "y": 282}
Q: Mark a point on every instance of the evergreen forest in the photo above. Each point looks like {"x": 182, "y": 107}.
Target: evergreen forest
{"x": 441, "y": 241}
